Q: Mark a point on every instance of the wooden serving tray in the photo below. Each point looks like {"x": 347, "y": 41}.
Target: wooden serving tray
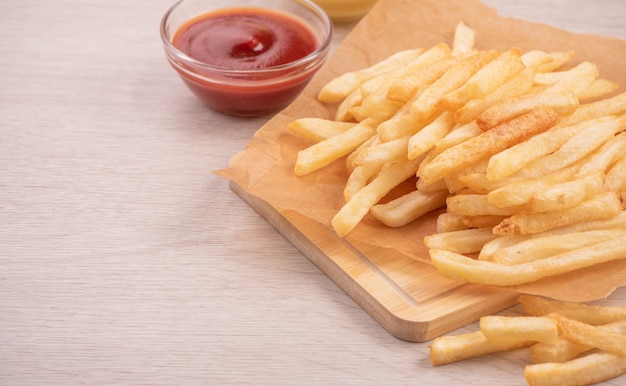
{"x": 408, "y": 298}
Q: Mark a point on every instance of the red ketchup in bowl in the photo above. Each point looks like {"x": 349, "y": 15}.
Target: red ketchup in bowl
{"x": 246, "y": 61}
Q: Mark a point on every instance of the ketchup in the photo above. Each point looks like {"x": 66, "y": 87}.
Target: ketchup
{"x": 246, "y": 39}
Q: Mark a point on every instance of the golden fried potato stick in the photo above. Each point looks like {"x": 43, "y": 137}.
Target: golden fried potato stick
{"x": 449, "y": 222}
{"x": 325, "y": 152}
{"x": 488, "y": 143}
{"x": 425, "y": 139}
{"x": 409, "y": 207}
{"x": 615, "y": 105}
{"x": 576, "y": 80}
{"x": 595, "y": 336}
{"x": 357, "y": 179}
{"x": 382, "y": 153}
{"x": 464, "y": 39}
{"x": 346, "y": 106}
{"x": 459, "y": 267}
{"x": 590, "y": 314}
{"x": 340, "y": 87}
{"x": 454, "y": 348}
{"x": 536, "y": 328}
{"x": 603, "y": 205}
{"x": 542, "y": 61}
{"x": 562, "y": 102}
{"x": 318, "y": 129}
{"x": 537, "y": 248}
{"x": 586, "y": 370}
{"x": 566, "y": 194}
{"x": 599, "y": 88}
{"x": 376, "y": 107}
{"x": 616, "y": 176}
{"x": 460, "y": 241}
{"x": 353, "y": 211}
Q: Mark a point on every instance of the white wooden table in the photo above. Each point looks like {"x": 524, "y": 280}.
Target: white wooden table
{"x": 123, "y": 260}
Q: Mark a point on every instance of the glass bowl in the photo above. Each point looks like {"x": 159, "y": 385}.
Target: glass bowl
{"x": 229, "y": 86}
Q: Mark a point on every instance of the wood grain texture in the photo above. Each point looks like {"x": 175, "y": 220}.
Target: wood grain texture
{"x": 124, "y": 261}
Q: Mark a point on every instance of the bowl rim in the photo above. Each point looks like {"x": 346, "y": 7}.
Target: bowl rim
{"x": 318, "y": 54}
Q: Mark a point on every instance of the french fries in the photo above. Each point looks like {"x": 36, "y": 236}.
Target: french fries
{"x": 529, "y": 177}
{"x": 503, "y": 142}
{"x": 564, "y": 350}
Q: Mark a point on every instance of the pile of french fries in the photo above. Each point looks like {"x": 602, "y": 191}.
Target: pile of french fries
{"x": 569, "y": 343}
{"x": 526, "y": 151}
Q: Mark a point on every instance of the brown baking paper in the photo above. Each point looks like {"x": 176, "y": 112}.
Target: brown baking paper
{"x": 265, "y": 168}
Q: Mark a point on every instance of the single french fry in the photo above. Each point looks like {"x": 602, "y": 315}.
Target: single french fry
{"x": 353, "y": 211}
{"x": 566, "y": 194}
{"x": 461, "y": 241}
{"x": 340, "y": 87}
{"x": 457, "y": 135}
{"x": 346, "y": 106}
{"x": 425, "y": 139}
{"x": 616, "y": 176}
{"x": 599, "y": 88}
{"x": 576, "y": 80}
{"x": 318, "y": 129}
{"x": 408, "y": 207}
{"x": 464, "y": 39}
{"x": 449, "y": 222}
{"x": 454, "y": 348}
{"x": 376, "y": 107}
{"x": 459, "y": 267}
{"x": 535, "y": 328}
{"x": 358, "y": 178}
{"x": 383, "y": 153}
{"x": 603, "y": 205}
{"x": 591, "y": 335}
{"x": 325, "y": 152}
{"x": 590, "y": 314}
{"x": 488, "y": 143}
{"x": 563, "y": 103}
{"x": 542, "y": 61}
{"x": 586, "y": 370}
{"x": 604, "y": 107}
{"x": 541, "y": 247}
{"x": 534, "y": 58}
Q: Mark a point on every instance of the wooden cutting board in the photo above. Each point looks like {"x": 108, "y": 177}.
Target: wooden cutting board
{"x": 408, "y": 298}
